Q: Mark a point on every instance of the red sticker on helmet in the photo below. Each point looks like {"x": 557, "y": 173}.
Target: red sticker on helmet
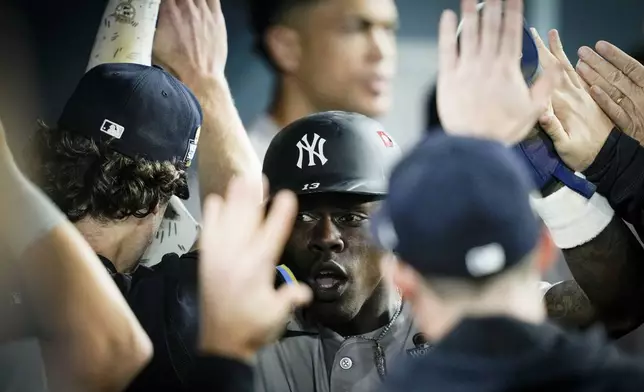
{"x": 386, "y": 139}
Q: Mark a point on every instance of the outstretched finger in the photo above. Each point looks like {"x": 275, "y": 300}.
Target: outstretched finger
{"x": 546, "y": 59}
{"x": 469, "y": 38}
{"x": 614, "y": 111}
{"x": 583, "y": 83}
{"x": 266, "y": 188}
{"x": 211, "y": 228}
{"x": 276, "y": 229}
{"x": 491, "y": 28}
{"x": 447, "y": 42}
{"x": 293, "y": 296}
{"x": 594, "y": 78}
{"x": 622, "y": 61}
{"x": 512, "y": 38}
{"x": 243, "y": 212}
{"x": 543, "y": 88}
{"x": 556, "y": 48}
{"x": 214, "y": 5}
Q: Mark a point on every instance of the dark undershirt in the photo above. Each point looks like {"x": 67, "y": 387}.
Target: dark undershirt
{"x": 208, "y": 372}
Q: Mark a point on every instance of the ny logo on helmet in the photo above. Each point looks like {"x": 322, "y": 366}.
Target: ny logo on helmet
{"x": 316, "y": 144}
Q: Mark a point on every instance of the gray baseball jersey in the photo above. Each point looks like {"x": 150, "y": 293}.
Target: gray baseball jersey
{"x": 315, "y": 359}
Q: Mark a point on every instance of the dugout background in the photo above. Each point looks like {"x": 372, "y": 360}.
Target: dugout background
{"x": 45, "y": 45}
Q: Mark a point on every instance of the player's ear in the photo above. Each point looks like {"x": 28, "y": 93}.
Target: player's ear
{"x": 283, "y": 46}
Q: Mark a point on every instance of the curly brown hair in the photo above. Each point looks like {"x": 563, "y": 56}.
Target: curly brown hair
{"x": 88, "y": 179}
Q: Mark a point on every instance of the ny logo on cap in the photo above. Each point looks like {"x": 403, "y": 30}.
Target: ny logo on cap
{"x": 316, "y": 144}
{"x": 112, "y": 129}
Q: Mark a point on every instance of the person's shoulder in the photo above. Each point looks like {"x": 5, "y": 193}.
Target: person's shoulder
{"x": 166, "y": 302}
{"x": 178, "y": 266}
{"x": 619, "y": 371}
{"x": 175, "y": 275}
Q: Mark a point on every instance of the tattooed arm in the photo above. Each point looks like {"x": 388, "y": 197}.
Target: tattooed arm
{"x": 608, "y": 285}
{"x": 568, "y": 305}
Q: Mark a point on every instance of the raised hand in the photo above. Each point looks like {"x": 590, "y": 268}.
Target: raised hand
{"x": 617, "y": 85}
{"x": 575, "y": 123}
{"x": 240, "y": 247}
{"x": 481, "y": 90}
{"x": 191, "y": 39}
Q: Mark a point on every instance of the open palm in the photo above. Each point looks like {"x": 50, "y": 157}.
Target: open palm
{"x": 240, "y": 245}
{"x": 481, "y": 90}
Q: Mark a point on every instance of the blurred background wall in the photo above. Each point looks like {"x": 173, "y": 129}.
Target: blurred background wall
{"x": 46, "y": 44}
{"x": 61, "y": 33}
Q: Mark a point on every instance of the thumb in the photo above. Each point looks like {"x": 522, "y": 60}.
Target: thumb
{"x": 553, "y": 128}
{"x": 290, "y": 296}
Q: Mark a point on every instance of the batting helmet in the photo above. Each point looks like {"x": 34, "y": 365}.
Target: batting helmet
{"x": 331, "y": 152}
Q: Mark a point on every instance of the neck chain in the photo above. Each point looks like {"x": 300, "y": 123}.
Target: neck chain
{"x": 378, "y": 351}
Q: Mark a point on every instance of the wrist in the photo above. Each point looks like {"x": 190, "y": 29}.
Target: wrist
{"x": 572, "y": 219}
{"x": 197, "y": 81}
{"x": 604, "y": 157}
{"x": 210, "y": 89}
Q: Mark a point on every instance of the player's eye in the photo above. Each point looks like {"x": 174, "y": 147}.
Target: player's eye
{"x": 304, "y": 217}
{"x": 352, "y": 219}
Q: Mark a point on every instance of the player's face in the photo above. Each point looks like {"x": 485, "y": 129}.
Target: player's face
{"x": 330, "y": 249}
{"x": 148, "y": 229}
{"x": 348, "y": 55}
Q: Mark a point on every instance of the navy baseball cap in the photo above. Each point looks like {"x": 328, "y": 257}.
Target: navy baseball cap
{"x": 458, "y": 207}
{"x": 144, "y": 112}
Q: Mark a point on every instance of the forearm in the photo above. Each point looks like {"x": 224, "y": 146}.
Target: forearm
{"x": 224, "y": 148}
{"x": 605, "y": 260}
{"x": 610, "y": 270}
{"x": 617, "y": 172}
{"x": 91, "y": 339}
{"x": 568, "y": 305}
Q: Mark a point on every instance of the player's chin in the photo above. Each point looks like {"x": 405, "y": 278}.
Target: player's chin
{"x": 329, "y": 290}
{"x": 372, "y": 104}
{"x": 334, "y": 312}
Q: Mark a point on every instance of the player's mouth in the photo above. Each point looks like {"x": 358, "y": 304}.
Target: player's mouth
{"x": 328, "y": 281}
{"x": 378, "y": 84}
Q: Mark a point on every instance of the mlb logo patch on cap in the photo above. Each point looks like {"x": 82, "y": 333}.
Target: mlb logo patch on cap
{"x": 113, "y": 129}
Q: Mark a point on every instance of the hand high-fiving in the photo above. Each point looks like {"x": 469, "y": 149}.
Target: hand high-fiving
{"x": 240, "y": 246}
{"x": 481, "y": 91}
{"x": 191, "y": 38}
{"x": 576, "y": 125}
{"x": 617, "y": 85}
